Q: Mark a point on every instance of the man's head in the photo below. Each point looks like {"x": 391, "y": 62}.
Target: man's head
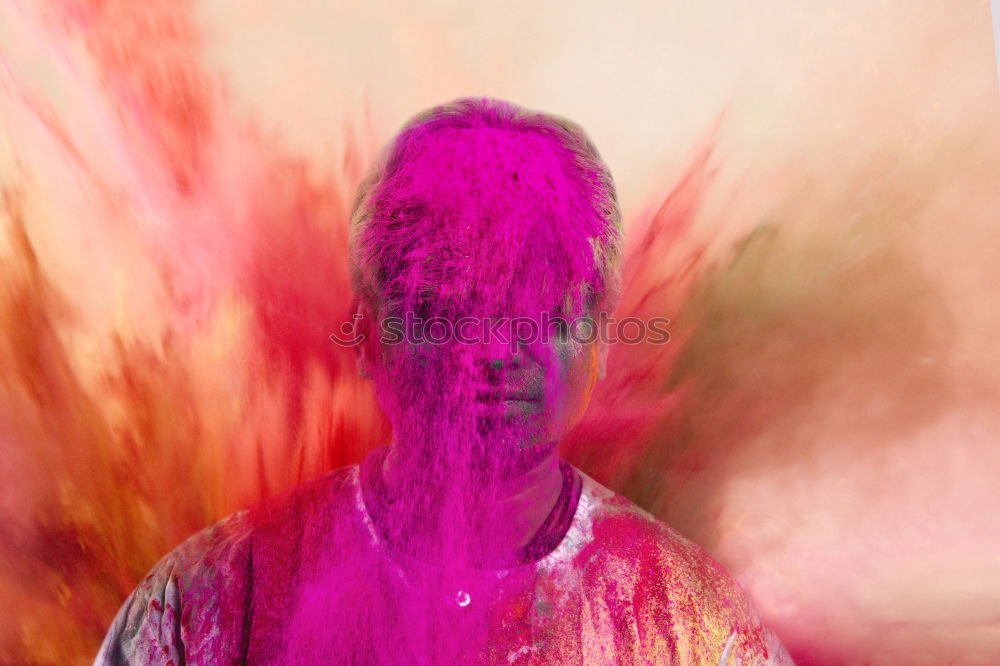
{"x": 481, "y": 214}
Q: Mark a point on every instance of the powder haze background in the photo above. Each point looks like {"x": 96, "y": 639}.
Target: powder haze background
{"x": 811, "y": 196}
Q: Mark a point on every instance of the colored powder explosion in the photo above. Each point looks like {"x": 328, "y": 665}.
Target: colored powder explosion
{"x": 823, "y": 420}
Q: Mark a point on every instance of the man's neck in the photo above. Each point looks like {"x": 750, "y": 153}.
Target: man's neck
{"x": 438, "y": 512}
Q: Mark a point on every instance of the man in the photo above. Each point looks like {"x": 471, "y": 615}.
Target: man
{"x": 481, "y": 245}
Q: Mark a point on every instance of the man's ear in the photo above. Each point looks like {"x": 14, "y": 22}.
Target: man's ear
{"x": 361, "y": 362}
{"x": 363, "y": 329}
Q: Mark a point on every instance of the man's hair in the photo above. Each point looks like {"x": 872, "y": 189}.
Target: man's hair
{"x": 479, "y": 200}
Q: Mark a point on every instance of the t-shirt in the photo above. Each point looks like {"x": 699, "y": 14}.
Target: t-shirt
{"x": 306, "y": 577}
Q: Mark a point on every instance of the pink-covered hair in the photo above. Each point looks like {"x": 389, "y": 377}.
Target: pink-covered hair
{"x": 481, "y": 206}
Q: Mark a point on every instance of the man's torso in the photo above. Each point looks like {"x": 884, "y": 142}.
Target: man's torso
{"x": 307, "y": 578}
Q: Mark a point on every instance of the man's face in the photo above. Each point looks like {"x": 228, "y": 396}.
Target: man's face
{"x": 484, "y": 223}
{"x": 515, "y": 385}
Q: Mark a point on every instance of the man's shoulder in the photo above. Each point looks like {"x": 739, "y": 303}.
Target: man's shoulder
{"x": 666, "y": 577}
{"x": 273, "y": 518}
{"x": 621, "y": 528}
{"x": 220, "y": 554}
{"x": 194, "y": 600}
{"x": 675, "y": 596}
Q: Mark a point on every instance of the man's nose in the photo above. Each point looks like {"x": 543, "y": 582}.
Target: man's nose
{"x": 497, "y": 357}
{"x": 501, "y": 361}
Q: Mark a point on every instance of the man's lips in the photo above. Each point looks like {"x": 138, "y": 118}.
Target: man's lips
{"x": 509, "y": 402}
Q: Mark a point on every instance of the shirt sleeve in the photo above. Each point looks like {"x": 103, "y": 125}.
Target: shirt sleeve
{"x": 147, "y": 628}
